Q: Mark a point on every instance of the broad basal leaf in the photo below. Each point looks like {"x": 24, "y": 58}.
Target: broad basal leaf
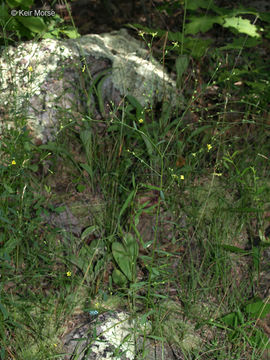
{"x": 123, "y": 259}
{"x": 201, "y": 24}
{"x": 34, "y": 24}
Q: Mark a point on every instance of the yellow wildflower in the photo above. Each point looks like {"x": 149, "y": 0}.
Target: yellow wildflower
{"x": 182, "y": 177}
{"x": 140, "y": 121}
{"x": 13, "y": 162}
{"x": 209, "y": 147}
{"x": 68, "y": 273}
{"x": 30, "y": 69}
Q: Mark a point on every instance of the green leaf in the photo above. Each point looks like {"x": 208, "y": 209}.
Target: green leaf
{"x": 257, "y": 309}
{"x": 79, "y": 261}
{"x": 174, "y": 36}
{"x": 5, "y": 220}
{"x": 21, "y": 3}
{"x": 4, "y": 311}
{"x": 9, "y": 246}
{"x": 144, "y": 317}
{"x": 131, "y": 246}
{"x": 96, "y": 246}
{"x": 151, "y": 187}
{"x": 87, "y": 168}
{"x": 118, "y": 278}
{"x": 196, "y": 4}
{"x": 81, "y": 188}
{"x": 230, "y": 320}
{"x": 234, "y": 249}
{"x": 6, "y": 21}
{"x": 241, "y": 25}
{"x": 256, "y": 257}
{"x": 34, "y": 24}
{"x": 126, "y": 203}
{"x": 134, "y": 102}
{"x": 201, "y": 24}
{"x": 154, "y": 337}
{"x": 70, "y": 33}
{"x": 60, "y": 209}
{"x": 196, "y": 47}
{"x": 123, "y": 259}
{"x": 8, "y": 188}
{"x": 126, "y": 254}
{"x": 148, "y": 143}
{"x": 88, "y": 231}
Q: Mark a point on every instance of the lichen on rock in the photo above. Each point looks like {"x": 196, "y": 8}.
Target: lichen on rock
{"x": 107, "y": 337}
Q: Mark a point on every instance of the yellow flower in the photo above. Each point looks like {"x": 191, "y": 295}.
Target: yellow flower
{"x": 141, "y": 33}
{"x": 193, "y": 154}
{"x": 209, "y": 147}
{"x": 13, "y": 162}
{"x": 30, "y": 69}
{"x": 140, "y": 121}
{"x": 68, "y": 273}
{"x": 217, "y": 174}
{"x": 182, "y": 177}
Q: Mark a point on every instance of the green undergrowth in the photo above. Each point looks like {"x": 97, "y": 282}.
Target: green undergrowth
{"x": 170, "y": 203}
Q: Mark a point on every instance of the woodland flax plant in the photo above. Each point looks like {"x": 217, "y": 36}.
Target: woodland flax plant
{"x": 210, "y": 184}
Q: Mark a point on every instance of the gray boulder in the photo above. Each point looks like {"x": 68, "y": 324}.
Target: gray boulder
{"x": 44, "y": 82}
{"x": 113, "y": 336}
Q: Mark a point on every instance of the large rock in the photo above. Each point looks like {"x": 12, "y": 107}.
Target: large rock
{"x": 112, "y": 336}
{"x": 46, "y": 81}
{"x": 101, "y": 341}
